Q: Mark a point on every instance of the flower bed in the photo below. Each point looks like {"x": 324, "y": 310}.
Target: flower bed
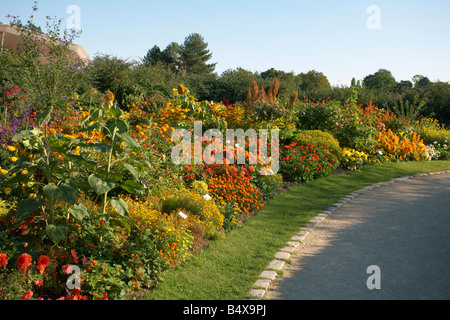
{"x": 91, "y": 194}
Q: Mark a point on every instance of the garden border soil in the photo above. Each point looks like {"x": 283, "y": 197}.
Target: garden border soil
{"x": 275, "y": 267}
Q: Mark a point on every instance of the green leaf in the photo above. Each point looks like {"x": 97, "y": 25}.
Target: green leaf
{"x": 121, "y": 206}
{"x": 132, "y": 187}
{"x": 100, "y": 184}
{"x": 125, "y": 224}
{"x": 120, "y": 124}
{"x": 28, "y": 206}
{"x": 63, "y": 192}
{"x": 56, "y": 233}
{"x": 45, "y": 116}
{"x": 115, "y": 112}
{"x": 79, "y": 212}
{"x": 31, "y": 139}
{"x": 100, "y": 146}
{"x": 132, "y": 170}
{"x": 128, "y": 140}
{"x": 79, "y": 158}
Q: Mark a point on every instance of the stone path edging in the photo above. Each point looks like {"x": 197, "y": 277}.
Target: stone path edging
{"x": 260, "y": 287}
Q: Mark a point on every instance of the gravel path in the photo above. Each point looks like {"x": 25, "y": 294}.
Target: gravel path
{"x": 402, "y": 228}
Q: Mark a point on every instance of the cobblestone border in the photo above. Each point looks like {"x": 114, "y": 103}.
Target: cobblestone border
{"x": 266, "y": 277}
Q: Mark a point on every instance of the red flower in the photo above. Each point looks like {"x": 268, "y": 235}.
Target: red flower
{"x": 24, "y": 262}
{"x": 105, "y": 296}
{"x": 74, "y": 255}
{"x": 251, "y": 168}
{"x": 39, "y": 282}
{"x": 27, "y": 295}
{"x": 3, "y": 260}
{"x": 42, "y": 263}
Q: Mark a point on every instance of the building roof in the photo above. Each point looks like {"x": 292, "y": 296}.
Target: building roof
{"x": 10, "y": 38}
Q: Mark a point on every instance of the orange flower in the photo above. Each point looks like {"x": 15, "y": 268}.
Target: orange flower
{"x": 3, "y": 260}
{"x": 24, "y": 262}
{"x": 42, "y": 263}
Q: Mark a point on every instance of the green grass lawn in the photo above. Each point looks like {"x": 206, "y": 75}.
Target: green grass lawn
{"x": 227, "y": 269}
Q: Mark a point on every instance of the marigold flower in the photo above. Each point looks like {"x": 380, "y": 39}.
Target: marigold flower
{"x": 24, "y": 262}
{"x": 7, "y": 190}
{"x": 13, "y": 159}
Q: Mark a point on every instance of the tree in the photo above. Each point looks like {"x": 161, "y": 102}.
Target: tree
{"x": 194, "y": 55}
{"x": 272, "y": 73}
{"x": 381, "y": 80}
{"x": 438, "y": 101}
{"x": 154, "y": 56}
{"x": 421, "y": 82}
{"x": 171, "y": 56}
{"x": 313, "y": 80}
{"x": 403, "y": 86}
{"x": 111, "y": 73}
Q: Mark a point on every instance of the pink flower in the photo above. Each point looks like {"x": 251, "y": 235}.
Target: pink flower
{"x": 85, "y": 261}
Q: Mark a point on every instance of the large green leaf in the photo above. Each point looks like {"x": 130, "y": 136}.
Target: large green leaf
{"x": 100, "y": 184}
{"x": 80, "y": 159}
{"x": 120, "y": 206}
{"x": 56, "y": 233}
{"x": 132, "y": 170}
{"x": 63, "y": 192}
{"x": 120, "y": 124}
{"x": 29, "y": 206}
{"x": 128, "y": 140}
{"x": 79, "y": 212}
{"x": 44, "y": 116}
{"x": 132, "y": 187}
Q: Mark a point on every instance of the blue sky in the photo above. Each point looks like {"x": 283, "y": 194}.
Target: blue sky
{"x": 291, "y": 35}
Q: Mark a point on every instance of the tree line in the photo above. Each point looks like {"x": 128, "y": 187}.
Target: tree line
{"x": 189, "y": 63}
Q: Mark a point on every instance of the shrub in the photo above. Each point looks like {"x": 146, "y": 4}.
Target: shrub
{"x": 321, "y": 139}
{"x": 174, "y": 241}
{"x": 199, "y": 187}
{"x": 194, "y": 204}
{"x": 269, "y": 184}
{"x": 354, "y": 159}
{"x": 236, "y": 189}
{"x": 408, "y": 148}
{"x": 265, "y": 111}
{"x": 432, "y": 131}
{"x": 306, "y": 162}
{"x": 322, "y": 115}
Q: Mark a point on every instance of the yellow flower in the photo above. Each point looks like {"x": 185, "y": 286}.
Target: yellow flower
{"x": 13, "y": 159}
{"x": 24, "y": 172}
{"x": 3, "y": 171}
{"x": 7, "y": 190}
{"x": 182, "y": 89}
{"x": 11, "y": 148}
